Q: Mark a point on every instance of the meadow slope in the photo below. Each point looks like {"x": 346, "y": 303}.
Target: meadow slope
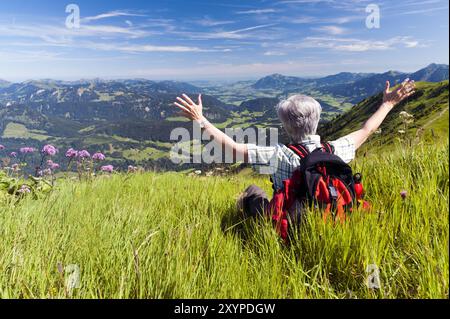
{"x": 173, "y": 236}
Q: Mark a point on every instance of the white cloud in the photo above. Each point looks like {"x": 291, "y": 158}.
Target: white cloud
{"x": 274, "y": 53}
{"x": 334, "y": 20}
{"x": 423, "y": 11}
{"x": 223, "y": 70}
{"x": 358, "y": 45}
{"x": 331, "y": 29}
{"x": 112, "y": 14}
{"x": 61, "y": 34}
{"x": 208, "y": 22}
{"x": 257, "y": 11}
{"x": 232, "y": 35}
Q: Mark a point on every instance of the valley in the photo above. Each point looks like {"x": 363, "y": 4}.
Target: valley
{"x": 131, "y": 120}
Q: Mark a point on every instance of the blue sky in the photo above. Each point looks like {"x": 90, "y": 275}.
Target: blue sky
{"x": 202, "y": 39}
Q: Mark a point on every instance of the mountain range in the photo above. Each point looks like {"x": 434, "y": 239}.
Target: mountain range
{"x": 131, "y": 120}
{"x": 352, "y": 86}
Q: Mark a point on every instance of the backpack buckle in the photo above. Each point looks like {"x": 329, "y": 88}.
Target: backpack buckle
{"x": 333, "y": 192}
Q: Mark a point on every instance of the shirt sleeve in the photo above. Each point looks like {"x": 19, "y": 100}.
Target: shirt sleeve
{"x": 260, "y": 155}
{"x": 264, "y": 159}
{"x": 345, "y": 149}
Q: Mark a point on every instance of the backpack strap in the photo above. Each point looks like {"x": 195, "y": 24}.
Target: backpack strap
{"x": 328, "y": 148}
{"x": 299, "y": 149}
{"x": 302, "y": 151}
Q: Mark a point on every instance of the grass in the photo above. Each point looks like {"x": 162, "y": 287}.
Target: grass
{"x": 16, "y": 130}
{"x": 429, "y": 108}
{"x": 172, "y": 236}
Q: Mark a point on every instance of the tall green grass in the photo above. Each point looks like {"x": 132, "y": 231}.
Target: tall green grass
{"x": 173, "y": 236}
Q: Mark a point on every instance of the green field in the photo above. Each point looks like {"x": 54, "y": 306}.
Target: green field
{"x": 16, "y": 130}
{"x": 174, "y": 236}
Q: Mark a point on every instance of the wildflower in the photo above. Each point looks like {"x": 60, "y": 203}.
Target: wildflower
{"x": 98, "y": 157}
{"x": 406, "y": 117}
{"x": 2, "y": 147}
{"x": 27, "y": 150}
{"x": 71, "y": 153}
{"x": 49, "y": 150}
{"x": 401, "y": 131}
{"x": 13, "y": 155}
{"x": 403, "y": 194}
{"x": 107, "y": 169}
{"x": 84, "y": 154}
{"x": 24, "y": 189}
{"x": 15, "y": 167}
{"x": 52, "y": 165}
{"x": 132, "y": 169}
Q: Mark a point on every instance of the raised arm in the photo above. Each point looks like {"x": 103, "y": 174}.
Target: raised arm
{"x": 390, "y": 99}
{"x": 194, "y": 112}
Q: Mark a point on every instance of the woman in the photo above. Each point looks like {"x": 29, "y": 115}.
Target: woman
{"x": 300, "y": 116}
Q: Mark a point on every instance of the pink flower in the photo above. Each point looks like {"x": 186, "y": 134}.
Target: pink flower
{"x": 71, "y": 153}
{"x": 98, "y": 157}
{"x": 107, "y": 169}
{"x": 52, "y": 165}
{"x": 27, "y": 150}
{"x": 404, "y": 194}
{"x": 24, "y": 189}
{"x": 84, "y": 154}
{"x": 49, "y": 150}
{"x": 2, "y": 147}
{"x": 13, "y": 155}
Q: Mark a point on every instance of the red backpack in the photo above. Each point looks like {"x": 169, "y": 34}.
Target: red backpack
{"x": 324, "y": 181}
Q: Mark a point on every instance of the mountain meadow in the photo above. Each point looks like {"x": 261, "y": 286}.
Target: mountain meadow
{"x": 145, "y": 228}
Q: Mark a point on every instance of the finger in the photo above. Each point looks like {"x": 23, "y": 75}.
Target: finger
{"x": 183, "y": 113}
{"x": 412, "y": 84}
{"x": 403, "y": 85}
{"x": 188, "y": 99}
{"x": 409, "y": 88}
{"x": 184, "y": 102}
{"x": 410, "y": 93}
{"x": 200, "y": 102}
{"x": 387, "y": 87}
{"x": 181, "y": 107}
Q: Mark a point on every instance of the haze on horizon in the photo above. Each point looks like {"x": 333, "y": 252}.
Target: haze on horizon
{"x": 228, "y": 40}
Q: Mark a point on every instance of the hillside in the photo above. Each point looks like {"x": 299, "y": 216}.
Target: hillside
{"x": 130, "y": 120}
{"x": 171, "y": 235}
{"x": 4, "y": 83}
{"x": 429, "y": 106}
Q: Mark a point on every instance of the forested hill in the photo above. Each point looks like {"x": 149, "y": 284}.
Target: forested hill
{"x": 426, "y": 119}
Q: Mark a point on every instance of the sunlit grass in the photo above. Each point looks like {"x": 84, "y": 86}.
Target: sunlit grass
{"x": 173, "y": 236}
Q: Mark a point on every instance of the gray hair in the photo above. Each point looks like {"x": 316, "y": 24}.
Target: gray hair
{"x": 300, "y": 115}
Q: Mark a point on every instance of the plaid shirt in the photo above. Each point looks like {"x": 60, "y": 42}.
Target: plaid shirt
{"x": 280, "y": 162}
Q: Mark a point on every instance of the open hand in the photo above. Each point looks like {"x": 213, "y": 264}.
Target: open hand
{"x": 189, "y": 109}
{"x": 403, "y": 91}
